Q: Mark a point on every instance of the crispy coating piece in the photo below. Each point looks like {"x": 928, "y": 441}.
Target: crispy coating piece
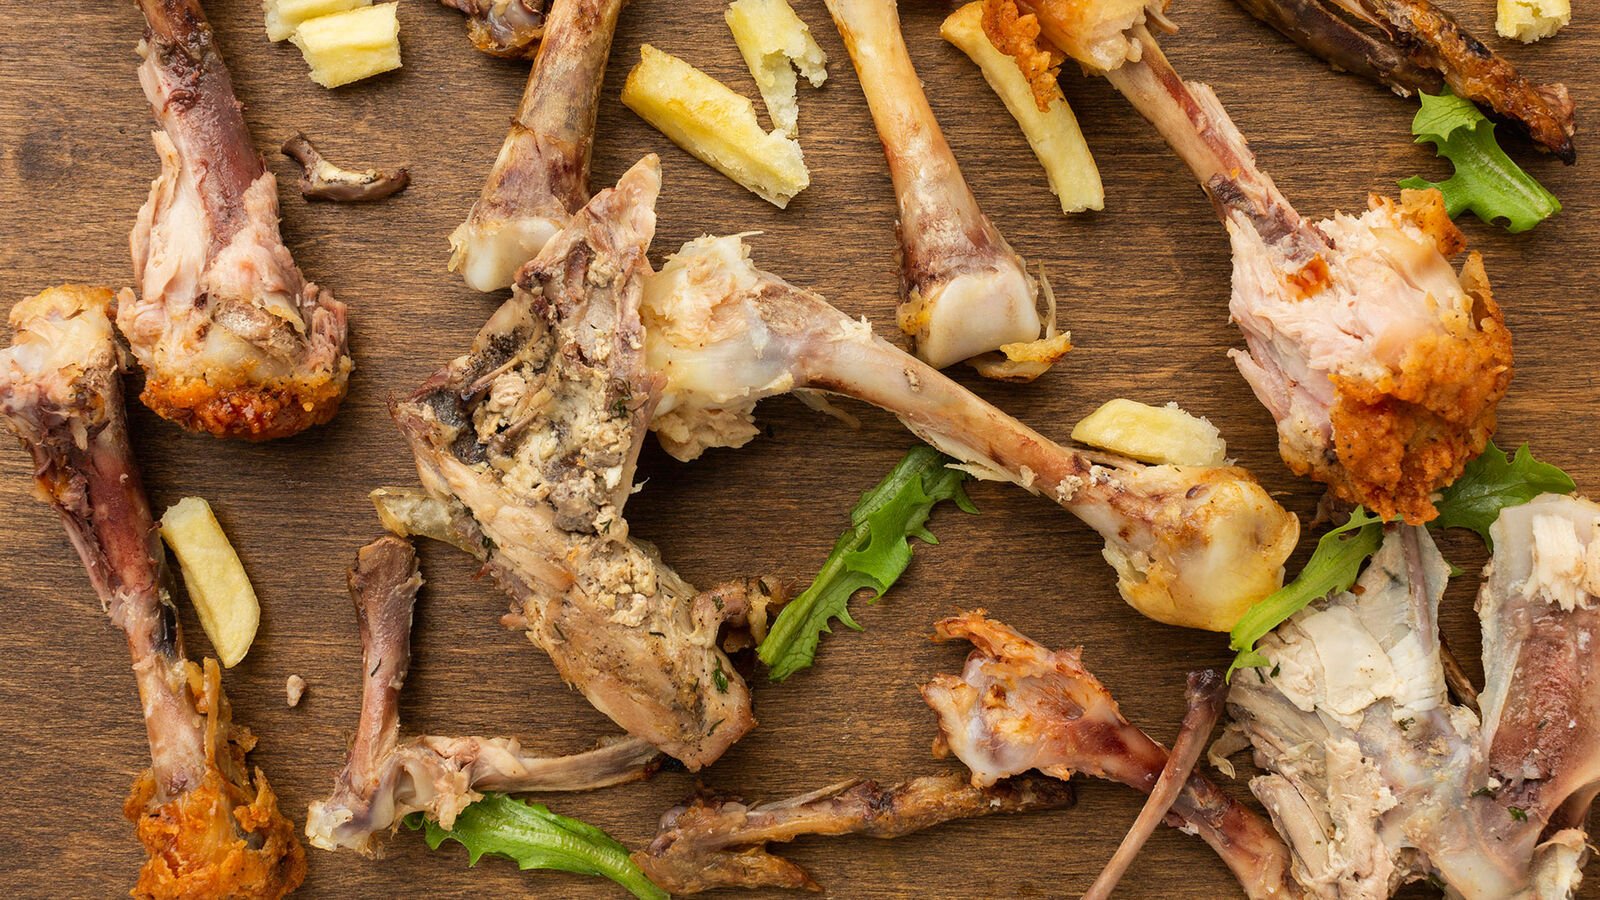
{"x": 224, "y": 837}
{"x": 1016, "y": 34}
{"x": 1400, "y": 436}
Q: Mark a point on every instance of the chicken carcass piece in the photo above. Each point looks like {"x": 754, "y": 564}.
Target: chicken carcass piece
{"x": 534, "y": 434}
{"x": 541, "y": 176}
{"x": 724, "y": 334}
{"x": 1413, "y": 45}
{"x": 1376, "y": 778}
{"x": 506, "y": 28}
{"x": 209, "y": 827}
{"x": 720, "y": 842}
{"x": 1381, "y": 365}
{"x": 234, "y": 340}
{"x": 1541, "y": 696}
{"x": 385, "y": 779}
{"x": 1017, "y": 707}
{"x": 964, "y": 292}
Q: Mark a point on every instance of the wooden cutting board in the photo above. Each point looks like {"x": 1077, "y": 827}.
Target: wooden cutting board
{"x": 1143, "y": 286}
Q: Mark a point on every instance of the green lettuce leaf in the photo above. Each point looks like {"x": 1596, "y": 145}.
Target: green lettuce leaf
{"x": 536, "y": 838}
{"x": 1494, "y": 481}
{"x": 1486, "y": 181}
{"x": 870, "y": 556}
{"x": 1332, "y": 568}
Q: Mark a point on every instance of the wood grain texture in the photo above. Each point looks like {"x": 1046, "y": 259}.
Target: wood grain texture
{"x": 1143, "y": 286}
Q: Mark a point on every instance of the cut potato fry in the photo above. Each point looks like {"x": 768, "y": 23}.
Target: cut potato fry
{"x": 217, "y": 584}
{"x": 1155, "y": 434}
{"x": 1054, "y": 135}
{"x": 1531, "y": 20}
{"x": 774, "y": 42}
{"x": 284, "y": 16}
{"x": 705, "y": 117}
{"x": 351, "y": 45}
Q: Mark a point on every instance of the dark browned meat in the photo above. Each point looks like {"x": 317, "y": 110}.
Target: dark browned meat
{"x": 509, "y": 28}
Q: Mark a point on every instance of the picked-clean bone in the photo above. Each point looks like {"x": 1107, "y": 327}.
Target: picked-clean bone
{"x": 1018, "y": 706}
{"x": 322, "y": 180}
{"x": 1376, "y": 778}
{"x": 533, "y": 436}
{"x": 1382, "y": 366}
{"x": 720, "y": 842}
{"x": 1204, "y": 696}
{"x": 1191, "y": 545}
{"x": 507, "y": 28}
{"x": 963, "y": 291}
{"x": 1415, "y": 45}
{"x": 541, "y": 176}
{"x": 386, "y": 779}
{"x": 233, "y": 339}
{"x": 210, "y": 829}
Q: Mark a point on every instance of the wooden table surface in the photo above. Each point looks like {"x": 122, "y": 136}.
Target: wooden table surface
{"x": 1144, "y": 289}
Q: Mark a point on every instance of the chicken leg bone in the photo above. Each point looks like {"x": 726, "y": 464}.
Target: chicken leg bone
{"x": 534, "y": 434}
{"x": 718, "y": 842}
{"x": 1191, "y": 545}
{"x": 541, "y": 176}
{"x": 210, "y": 829}
{"x": 386, "y": 779}
{"x": 963, "y": 291}
{"x": 1018, "y": 706}
{"x": 1381, "y": 365}
{"x": 234, "y": 341}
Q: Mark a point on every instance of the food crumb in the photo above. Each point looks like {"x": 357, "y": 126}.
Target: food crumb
{"x": 294, "y": 689}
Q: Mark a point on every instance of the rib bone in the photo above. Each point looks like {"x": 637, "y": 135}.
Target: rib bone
{"x": 1018, "y": 706}
{"x": 210, "y": 829}
{"x": 541, "y": 176}
{"x": 713, "y": 842}
{"x": 963, "y": 291}
{"x": 534, "y": 435}
{"x": 385, "y": 780}
{"x": 233, "y": 339}
{"x": 724, "y": 334}
{"x": 1381, "y": 365}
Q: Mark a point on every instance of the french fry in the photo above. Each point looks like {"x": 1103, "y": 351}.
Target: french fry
{"x": 774, "y": 42}
{"x": 284, "y": 16}
{"x": 718, "y": 126}
{"x": 1165, "y": 435}
{"x": 1054, "y": 135}
{"x": 221, "y": 592}
{"x": 351, "y": 45}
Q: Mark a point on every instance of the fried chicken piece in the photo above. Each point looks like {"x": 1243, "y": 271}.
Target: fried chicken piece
{"x": 1018, "y": 706}
{"x": 386, "y": 779}
{"x": 234, "y": 341}
{"x": 1016, "y": 34}
{"x": 534, "y": 436}
{"x": 210, "y": 829}
{"x": 1381, "y": 364}
{"x": 1413, "y": 45}
{"x": 718, "y": 842}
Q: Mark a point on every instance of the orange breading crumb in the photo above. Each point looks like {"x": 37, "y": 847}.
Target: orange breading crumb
{"x": 252, "y": 412}
{"x": 1017, "y": 36}
{"x": 200, "y": 844}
